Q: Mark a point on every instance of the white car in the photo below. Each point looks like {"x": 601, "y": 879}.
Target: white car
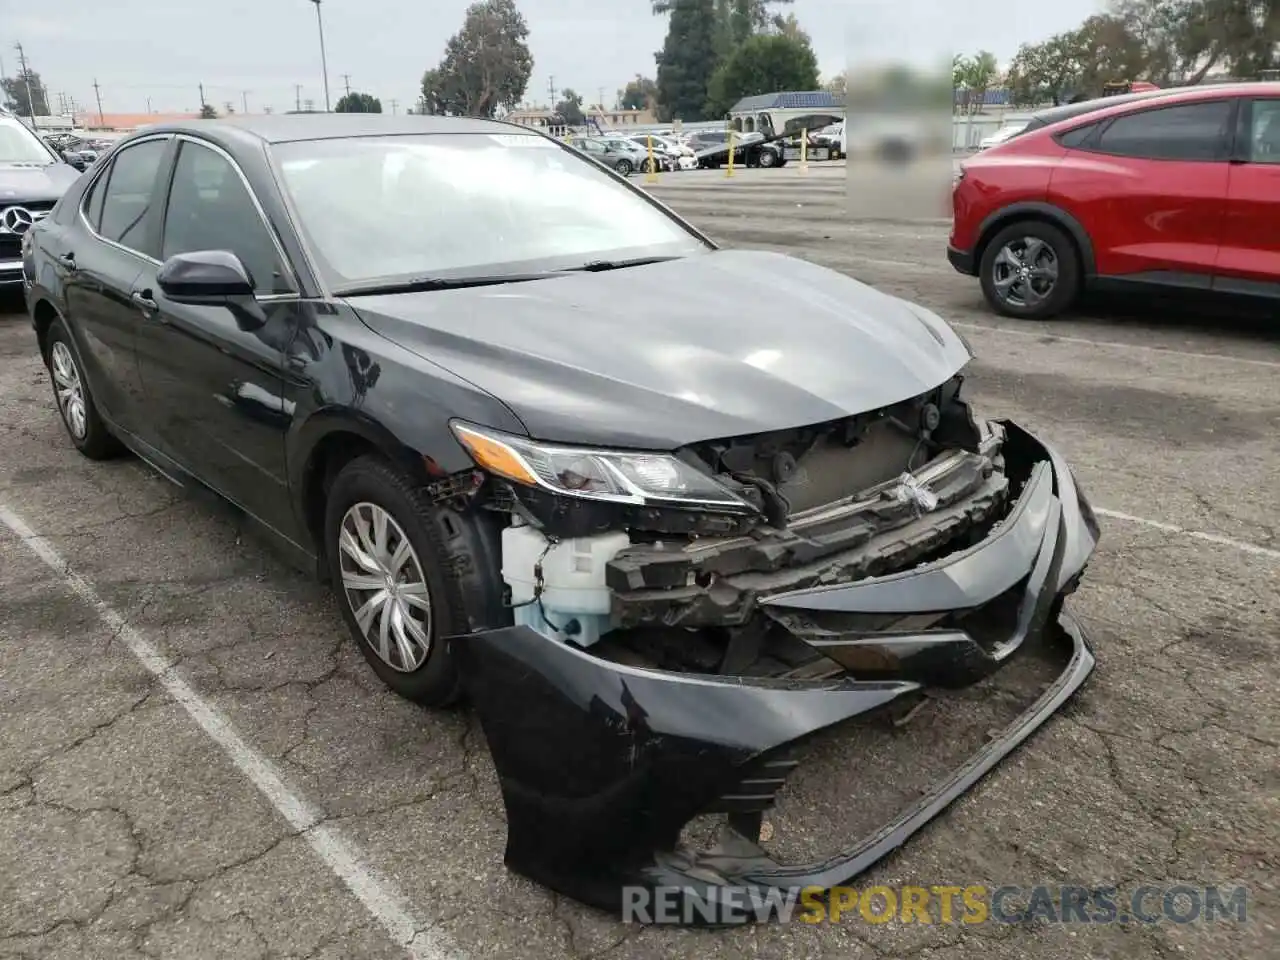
{"x": 1007, "y": 132}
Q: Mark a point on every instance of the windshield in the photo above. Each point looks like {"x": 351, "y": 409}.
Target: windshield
{"x": 453, "y": 205}
{"x": 20, "y": 145}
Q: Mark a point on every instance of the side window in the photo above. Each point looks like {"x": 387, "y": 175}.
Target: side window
{"x": 1264, "y": 135}
{"x": 93, "y": 201}
{"x": 1193, "y": 131}
{"x": 210, "y": 208}
{"x": 1074, "y": 139}
{"x": 127, "y": 191}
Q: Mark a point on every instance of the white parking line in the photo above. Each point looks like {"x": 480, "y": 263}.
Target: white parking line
{"x": 380, "y": 897}
{"x": 1007, "y": 331}
{"x": 1242, "y": 545}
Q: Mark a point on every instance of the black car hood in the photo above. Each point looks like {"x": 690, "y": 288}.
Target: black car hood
{"x": 723, "y": 344}
{"x": 21, "y": 183}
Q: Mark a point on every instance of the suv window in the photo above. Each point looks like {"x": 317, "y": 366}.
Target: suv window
{"x": 1264, "y": 135}
{"x": 127, "y": 189}
{"x": 1074, "y": 139}
{"x": 1191, "y": 131}
{"x": 210, "y": 208}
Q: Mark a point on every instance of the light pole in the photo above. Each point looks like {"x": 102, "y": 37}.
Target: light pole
{"x": 324, "y": 63}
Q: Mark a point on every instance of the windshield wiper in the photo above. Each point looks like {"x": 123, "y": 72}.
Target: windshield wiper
{"x": 599, "y": 266}
{"x": 420, "y": 284}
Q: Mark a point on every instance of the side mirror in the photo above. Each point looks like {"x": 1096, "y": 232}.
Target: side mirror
{"x": 212, "y": 277}
{"x": 204, "y": 275}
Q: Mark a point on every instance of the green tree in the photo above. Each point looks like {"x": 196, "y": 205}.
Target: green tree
{"x": 207, "y": 112}
{"x": 1046, "y": 71}
{"x": 639, "y": 94}
{"x": 973, "y": 77}
{"x": 1185, "y": 40}
{"x": 15, "y": 94}
{"x": 687, "y": 59}
{"x": 486, "y": 65}
{"x": 570, "y": 107}
{"x": 762, "y": 64}
{"x": 358, "y": 103}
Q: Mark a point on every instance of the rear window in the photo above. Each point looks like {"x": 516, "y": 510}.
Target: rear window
{"x": 1077, "y": 137}
{"x": 1189, "y": 131}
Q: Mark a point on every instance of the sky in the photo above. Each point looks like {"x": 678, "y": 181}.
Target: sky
{"x": 258, "y": 51}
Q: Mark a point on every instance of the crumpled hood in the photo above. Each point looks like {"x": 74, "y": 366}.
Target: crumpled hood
{"x": 723, "y": 344}
{"x": 27, "y": 184}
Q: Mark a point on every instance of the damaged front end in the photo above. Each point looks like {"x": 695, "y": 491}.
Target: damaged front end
{"x": 668, "y": 658}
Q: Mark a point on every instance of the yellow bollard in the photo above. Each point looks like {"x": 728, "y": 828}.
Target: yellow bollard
{"x": 729, "y": 171}
{"x": 652, "y": 176}
{"x": 804, "y": 151}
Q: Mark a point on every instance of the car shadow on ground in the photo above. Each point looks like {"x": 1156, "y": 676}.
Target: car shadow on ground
{"x": 1239, "y": 318}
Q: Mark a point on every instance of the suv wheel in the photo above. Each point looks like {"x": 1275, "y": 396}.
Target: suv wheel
{"x": 768, "y": 158}
{"x": 624, "y": 167}
{"x": 407, "y": 574}
{"x": 75, "y": 401}
{"x": 1030, "y": 271}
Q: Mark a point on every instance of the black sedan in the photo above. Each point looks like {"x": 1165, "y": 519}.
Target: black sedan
{"x": 653, "y": 548}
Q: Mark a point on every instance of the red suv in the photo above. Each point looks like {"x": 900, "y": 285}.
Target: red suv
{"x": 1169, "y": 188}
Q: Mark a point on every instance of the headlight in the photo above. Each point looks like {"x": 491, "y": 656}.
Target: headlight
{"x": 617, "y": 476}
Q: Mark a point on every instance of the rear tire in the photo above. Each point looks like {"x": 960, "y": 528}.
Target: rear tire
{"x": 74, "y": 399}
{"x": 768, "y": 158}
{"x": 432, "y": 566}
{"x": 1030, "y": 271}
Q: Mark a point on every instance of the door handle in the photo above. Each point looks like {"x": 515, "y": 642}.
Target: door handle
{"x": 67, "y": 260}
{"x": 143, "y": 302}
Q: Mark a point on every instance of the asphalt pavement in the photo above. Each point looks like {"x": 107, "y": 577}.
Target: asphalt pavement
{"x": 195, "y": 761}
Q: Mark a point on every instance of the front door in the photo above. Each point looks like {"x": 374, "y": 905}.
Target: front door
{"x": 214, "y": 381}
{"x": 1249, "y": 258}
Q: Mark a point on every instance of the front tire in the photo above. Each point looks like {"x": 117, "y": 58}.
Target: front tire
{"x": 404, "y": 570}
{"x": 624, "y": 167}
{"x": 768, "y": 158}
{"x": 1030, "y": 271}
{"x": 75, "y": 401}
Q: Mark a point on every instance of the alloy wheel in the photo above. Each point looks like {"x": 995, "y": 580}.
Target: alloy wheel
{"x": 1025, "y": 271}
{"x": 383, "y": 582}
{"x": 70, "y": 391}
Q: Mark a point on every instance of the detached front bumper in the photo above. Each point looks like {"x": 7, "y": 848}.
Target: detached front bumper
{"x": 602, "y": 765}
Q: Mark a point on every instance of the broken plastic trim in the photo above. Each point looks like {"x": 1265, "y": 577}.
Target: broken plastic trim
{"x": 602, "y": 765}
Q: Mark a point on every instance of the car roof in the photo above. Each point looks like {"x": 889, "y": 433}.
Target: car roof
{"x": 1109, "y": 106}
{"x": 288, "y": 128}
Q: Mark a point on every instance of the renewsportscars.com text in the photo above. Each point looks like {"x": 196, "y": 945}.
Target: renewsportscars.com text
{"x": 937, "y": 904}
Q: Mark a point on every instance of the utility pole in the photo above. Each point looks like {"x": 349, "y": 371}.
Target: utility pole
{"x": 98, "y": 93}
{"x": 310, "y": 105}
{"x": 324, "y": 63}
{"x": 297, "y": 97}
{"x": 600, "y": 102}
{"x": 26, "y": 78}
{"x": 231, "y": 107}
{"x": 202, "y": 104}
{"x": 244, "y": 100}
{"x": 346, "y": 78}
{"x": 394, "y": 103}
{"x": 148, "y": 105}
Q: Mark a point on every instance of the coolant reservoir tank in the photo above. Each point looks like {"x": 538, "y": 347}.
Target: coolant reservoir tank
{"x": 574, "y": 602}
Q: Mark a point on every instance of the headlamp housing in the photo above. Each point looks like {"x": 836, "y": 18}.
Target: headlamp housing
{"x": 635, "y": 478}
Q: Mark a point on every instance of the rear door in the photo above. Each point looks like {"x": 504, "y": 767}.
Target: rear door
{"x": 1150, "y": 189}
{"x": 1249, "y": 257}
{"x": 116, "y": 238}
